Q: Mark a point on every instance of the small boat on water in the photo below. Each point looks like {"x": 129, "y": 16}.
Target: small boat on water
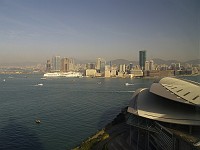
{"x": 43, "y": 78}
{"x": 39, "y": 84}
{"x": 127, "y": 84}
{"x": 37, "y": 121}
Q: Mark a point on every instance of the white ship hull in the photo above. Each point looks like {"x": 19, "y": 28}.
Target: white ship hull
{"x": 65, "y": 74}
{"x": 52, "y": 75}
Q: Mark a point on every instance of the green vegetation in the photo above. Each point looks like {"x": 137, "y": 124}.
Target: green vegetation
{"x": 92, "y": 141}
{"x": 102, "y": 138}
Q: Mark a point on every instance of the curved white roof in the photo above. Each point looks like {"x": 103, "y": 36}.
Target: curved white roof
{"x": 182, "y": 89}
{"x": 160, "y": 90}
{"x": 151, "y": 106}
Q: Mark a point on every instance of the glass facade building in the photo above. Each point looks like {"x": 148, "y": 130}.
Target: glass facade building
{"x": 56, "y": 63}
{"x": 142, "y": 59}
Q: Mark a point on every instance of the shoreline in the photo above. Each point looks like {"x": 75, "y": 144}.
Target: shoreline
{"x": 102, "y": 138}
{"x": 147, "y": 77}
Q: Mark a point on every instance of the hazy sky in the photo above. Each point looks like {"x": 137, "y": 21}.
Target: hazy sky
{"x": 35, "y": 30}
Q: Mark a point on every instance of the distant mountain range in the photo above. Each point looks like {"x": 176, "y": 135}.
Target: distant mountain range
{"x": 116, "y": 61}
{"x": 156, "y": 61}
{"x": 197, "y": 61}
{"x": 168, "y": 62}
{"x": 123, "y": 61}
{"x": 20, "y": 64}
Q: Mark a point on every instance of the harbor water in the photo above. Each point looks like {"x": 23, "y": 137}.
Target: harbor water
{"x": 69, "y": 109}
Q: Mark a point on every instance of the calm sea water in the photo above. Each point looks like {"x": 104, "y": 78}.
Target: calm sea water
{"x": 70, "y": 109}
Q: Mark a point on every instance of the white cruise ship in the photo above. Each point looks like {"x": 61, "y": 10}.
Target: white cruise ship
{"x": 71, "y": 74}
{"x": 63, "y": 74}
{"x": 55, "y": 74}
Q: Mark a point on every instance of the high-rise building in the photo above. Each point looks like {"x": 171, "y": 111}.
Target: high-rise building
{"x": 122, "y": 68}
{"x": 107, "y": 71}
{"x": 67, "y": 64}
{"x": 56, "y": 63}
{"x": 100, "y": 65}
{"x": 113, "y": 72}
{"x": 64, "y": 65}
{"x": 178, "y": 66}
{"x": 147, "y": 67}
{"x": 151, "y": 65}
{"x": 71, "y": 64}
{"x": 90, "y": 66}
{"x": 90, "y": 72}
{"x": 103, "y": 64}
{"x": 142, "y": 59}
{"x": 130, "y": 66}
{"x": 48, "y": 66}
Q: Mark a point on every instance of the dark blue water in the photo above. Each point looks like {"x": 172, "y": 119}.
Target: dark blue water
{"x": 70, "y": 110}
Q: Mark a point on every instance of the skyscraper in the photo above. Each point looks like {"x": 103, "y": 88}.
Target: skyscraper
{"x": 151, "y": 65}
{"x": 107, "y": 71}
{"x": 103, "y": 63}
{"x": 56, "y": 63}
{"x": 64, "y": 64}
{"x": 48, "y": 66}
{"x": 142, "y": 59}
{"x": 67, "y": 64}
{"x": 122, "y": 68}
{"x": 130, "y": 66}
{"x": 100, "y": 65}
{"x": 90, "y": 66}
{"x": 147, "y": 67}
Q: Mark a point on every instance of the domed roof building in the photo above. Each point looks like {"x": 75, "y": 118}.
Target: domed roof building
{"x": 166, "y": 116}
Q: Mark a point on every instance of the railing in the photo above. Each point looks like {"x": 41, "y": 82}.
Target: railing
{"x": 164, "y": 138}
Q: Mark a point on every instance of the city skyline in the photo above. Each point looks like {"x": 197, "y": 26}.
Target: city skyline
{"x": 38, "y": 30}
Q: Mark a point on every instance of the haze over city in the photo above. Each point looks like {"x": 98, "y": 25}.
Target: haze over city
{"x": 34, "y": 30}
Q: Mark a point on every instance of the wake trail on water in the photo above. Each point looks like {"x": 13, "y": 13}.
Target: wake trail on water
{"x": 105, "y": 91}
{"x": 114, "y": 91}
{"x": 40, "y": 84}
{"x": 124, "y": 91}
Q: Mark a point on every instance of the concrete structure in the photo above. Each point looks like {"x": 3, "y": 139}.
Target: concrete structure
{"x": 151, "y": 65}
{"x": 100, "y": 65}
{"x": 147, "y": 66}
{"x": 64, "y": 65}
{"x": 130, "y": 66}
{"x": 67, "y": 64}
{"x": 136, "y": 73}
{"x": 91, "y": 72}
{"x": 142, "y": 59}
{"x": 107, "y": 71}
{"x": 160, "y": 73}
{"x": 107, "y": 74}
{"x": 71, "y": 64}
{"x": 122, "y": 68}
{"x": 90, "y": 66}
{"x": 166, "y": 116}
{"x": 98, "y": 74}
{"x": 113, "y": 73}
{"x": 121, "y": 74}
